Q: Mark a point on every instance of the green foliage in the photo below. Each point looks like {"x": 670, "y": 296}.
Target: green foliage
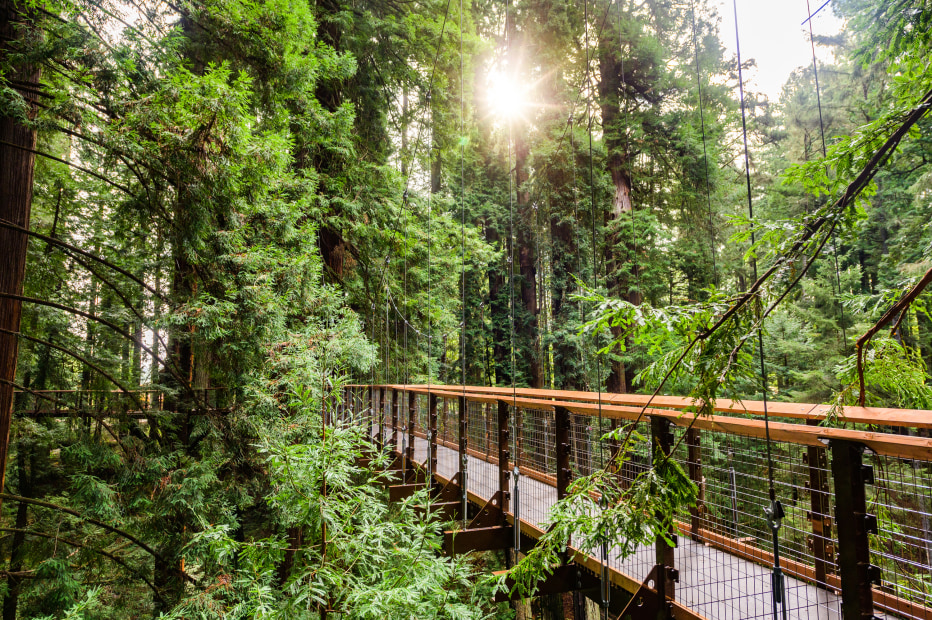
{"x": 599, "y": 511}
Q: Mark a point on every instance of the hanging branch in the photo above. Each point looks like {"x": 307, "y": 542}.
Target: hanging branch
{"x": 122, "y": 188}
{"x": 55, "y": 241}
{"x": 74, "y": 543}
{"x": 116, "y": 328}
{"x": 38, "y": 502}
{"x": 900, "y": 308}
{"x": 853, "y": 190}
{"x": 126, "y": 302}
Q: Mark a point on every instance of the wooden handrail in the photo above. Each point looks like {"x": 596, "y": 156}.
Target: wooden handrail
{"x": 887, "y": 444}
{"x": 882, "y": 416}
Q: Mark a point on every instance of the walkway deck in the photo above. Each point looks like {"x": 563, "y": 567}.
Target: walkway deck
{"x": 712, "y": 583}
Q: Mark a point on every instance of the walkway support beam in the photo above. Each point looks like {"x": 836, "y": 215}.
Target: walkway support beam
{"x": 820, "y": 541}
{"x": 504, "y": 455}
{"x": 854, "y": 526}
{"x": 662, "y": 442}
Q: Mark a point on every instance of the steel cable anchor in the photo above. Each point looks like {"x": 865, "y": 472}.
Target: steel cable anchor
{"x": 775, "y": 515}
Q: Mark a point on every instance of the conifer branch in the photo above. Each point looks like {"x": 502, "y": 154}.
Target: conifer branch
{"x": 74, "y": 543}
{"x": 56, "y": 241}
{"x": 116, "y": 328}
{"x": 118, "y": 186}
{"x": 899, "y": 308}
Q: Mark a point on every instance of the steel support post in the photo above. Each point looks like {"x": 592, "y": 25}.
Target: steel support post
{"x": 694, "y": 458}
{"x": 561, "y": 418}
{"x": 396, "y": 436}
{"x": 819, "y": 543}
{"x": 662, "y": 442}
{"x": 854, "y": 526}
{"x": 504, "y": 455}
{"x": 432, "y": 434}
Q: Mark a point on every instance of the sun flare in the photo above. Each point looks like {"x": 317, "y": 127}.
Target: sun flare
{"x": 507, "y": 98}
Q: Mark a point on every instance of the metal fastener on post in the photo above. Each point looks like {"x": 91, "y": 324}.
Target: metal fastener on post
{"x": 853, "y": 524}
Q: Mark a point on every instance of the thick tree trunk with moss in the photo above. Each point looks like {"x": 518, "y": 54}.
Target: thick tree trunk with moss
{"x": 16, "y": 171}
{"x": 619, "y": 248}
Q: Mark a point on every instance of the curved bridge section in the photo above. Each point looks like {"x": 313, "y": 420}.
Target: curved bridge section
{"x": 856, "y": 541}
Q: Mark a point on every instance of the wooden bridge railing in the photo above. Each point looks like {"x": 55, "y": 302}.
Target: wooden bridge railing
{"x": 134, "y": 403}
{"x": 858, "y": 503}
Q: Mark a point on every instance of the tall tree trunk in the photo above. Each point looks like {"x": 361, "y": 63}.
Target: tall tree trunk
{"x": 16, "y": 172}
{"x": 498, "y": 309}
{"x": 610, "y": 99}
{"x": 11, "y": 601}
{"x": 527, "y": 338}
{"x": 568, "y": 370}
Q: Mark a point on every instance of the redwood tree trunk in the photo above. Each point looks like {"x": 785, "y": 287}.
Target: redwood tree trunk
{"x": 16, "y": 170}
{"x": 611, "y": 97}
{"x": 527, "y": 345}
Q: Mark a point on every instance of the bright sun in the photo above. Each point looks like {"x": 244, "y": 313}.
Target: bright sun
{"x": 507, "y": 98}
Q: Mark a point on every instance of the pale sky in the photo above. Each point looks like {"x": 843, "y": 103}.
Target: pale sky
{"x": 772, "y": 33}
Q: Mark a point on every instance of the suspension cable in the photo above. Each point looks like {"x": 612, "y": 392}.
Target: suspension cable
{"x": 512, "y": 172}
{"x": 775, "y": 512}
{"x": 465, "y": 412}
{"x": 605, "y": 589}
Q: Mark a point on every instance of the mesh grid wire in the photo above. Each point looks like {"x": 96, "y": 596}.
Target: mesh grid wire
{"x": 634, "y": 463}
{"x": 446, "y": 420}
{"x": 901, "y": 499}
{"x": 734, "y": 485}
{"x": 719, "y": 577}
{"x": 536, "y": 458}
{"x": 482, "y": 442}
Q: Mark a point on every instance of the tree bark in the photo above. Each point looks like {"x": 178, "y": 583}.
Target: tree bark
{"x": 16, "y": 173}
{"x": 611, "y": 96}
{"x": 527, "y": 338}
{"x": 11, "y": 601}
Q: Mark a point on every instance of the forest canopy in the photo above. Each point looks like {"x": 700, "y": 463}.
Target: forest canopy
{"x": 218, "y": 213}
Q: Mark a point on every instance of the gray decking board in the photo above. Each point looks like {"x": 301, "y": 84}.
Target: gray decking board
{"x": 712, "y": 583}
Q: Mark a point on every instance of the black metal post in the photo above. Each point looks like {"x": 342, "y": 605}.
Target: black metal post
{"x": 819, "y": 516}
{"x": 504, "y": 455}
{"x": 662, "y": 440}
{"x": 854, "y": 525}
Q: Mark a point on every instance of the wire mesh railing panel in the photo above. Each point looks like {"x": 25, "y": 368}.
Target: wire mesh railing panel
{"x": 901, "y": 500}
{"x": 447, "y": 418}
{"x": 729, "y": 559}
{"x": 580, "y": 445}
{"x": 482, "y": 446}
{"x": 537, "y": 441}
{"x": 421, "y": 413}
{"x": 536, "y": 459}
